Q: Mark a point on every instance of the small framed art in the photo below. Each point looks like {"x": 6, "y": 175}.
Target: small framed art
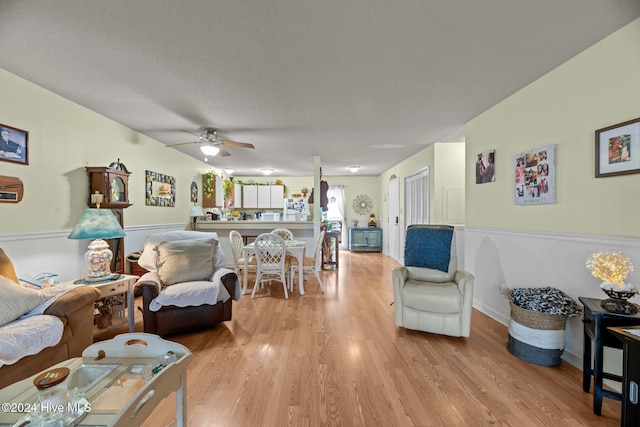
{"x": 14, "y": 145}
{"x": 160, "y": 189}
{"x": 618, "y": 149}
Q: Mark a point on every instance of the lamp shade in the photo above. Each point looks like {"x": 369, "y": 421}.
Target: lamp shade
{"x": 209, "y": 150}
{"x": 97, "y": 224}
{"x": 196, "y": 211}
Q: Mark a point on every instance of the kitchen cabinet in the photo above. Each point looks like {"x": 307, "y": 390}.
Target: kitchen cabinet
{"x": 219, "y": 192}
{"x": 277, "y": 196}
{"x": 236, "y": 196}
{"x": 249, "y": 197}
{"x": 264, "y": 196}
{"x": 212, "y": 191}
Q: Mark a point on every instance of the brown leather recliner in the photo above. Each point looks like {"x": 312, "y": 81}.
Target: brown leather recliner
{"x": 172, "y": 320}
{"x": 181, "y": 265}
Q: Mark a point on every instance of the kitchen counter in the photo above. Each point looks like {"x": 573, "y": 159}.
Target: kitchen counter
{"x": 253, "y": 225}
{"x": 302, "y": 230}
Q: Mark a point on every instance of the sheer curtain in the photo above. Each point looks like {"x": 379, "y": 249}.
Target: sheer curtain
{"x": 335, "y": 207}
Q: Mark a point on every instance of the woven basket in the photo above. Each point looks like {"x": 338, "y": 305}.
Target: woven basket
{"x": 536, "y": 337}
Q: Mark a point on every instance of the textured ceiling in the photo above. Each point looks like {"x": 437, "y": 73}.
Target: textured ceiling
{"x": 365, "y": 82}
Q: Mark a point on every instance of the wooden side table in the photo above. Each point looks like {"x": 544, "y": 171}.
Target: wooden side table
{"x": 124, "y": 287}
{"x": 596, "y": 320}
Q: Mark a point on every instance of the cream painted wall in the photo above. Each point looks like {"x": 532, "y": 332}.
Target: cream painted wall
{"x": 547, "y": 245}
{"x": 407, "y": 167}
{"x": 595, "y": 89}
{"x": 354, "y": 186}
{"x": 448, "y": 185}
{"x": 446, "y": 162}
{"x": 64, "y": 137}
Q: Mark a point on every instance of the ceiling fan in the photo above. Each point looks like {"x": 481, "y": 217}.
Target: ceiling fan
{"x": 211, "y": 143}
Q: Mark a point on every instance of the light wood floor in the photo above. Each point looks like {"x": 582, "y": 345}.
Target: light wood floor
{"x": 337, "y": 359}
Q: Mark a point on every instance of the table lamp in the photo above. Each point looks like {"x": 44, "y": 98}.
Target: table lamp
{"x": 195, "y": 212}
{"x": 97, "y": 224}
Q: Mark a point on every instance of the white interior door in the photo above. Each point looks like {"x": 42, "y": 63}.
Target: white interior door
{"x": 394, "y": 218}
{"x": 416, "y": 198}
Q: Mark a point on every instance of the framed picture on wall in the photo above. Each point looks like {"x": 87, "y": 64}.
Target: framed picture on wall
{"x": 160, "y": 189}
{"x": 535, "y": 176}
{"x": 14, "y": 145}
{"x": 618, "y": 149}
{"x": 485, "y": 169}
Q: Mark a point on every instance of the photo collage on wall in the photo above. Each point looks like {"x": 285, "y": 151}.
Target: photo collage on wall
{"x": 535, "y": 182}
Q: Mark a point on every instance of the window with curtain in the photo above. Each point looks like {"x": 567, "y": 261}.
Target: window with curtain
{"x": 335, "y": 207}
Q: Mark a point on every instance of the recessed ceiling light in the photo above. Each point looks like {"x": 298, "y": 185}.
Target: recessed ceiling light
{"x": 229, "y": 171}
{"x": 266, "y": 171}
{"x": 354, "y": 169}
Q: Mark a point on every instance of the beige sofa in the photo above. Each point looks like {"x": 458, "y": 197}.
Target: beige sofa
{"x": 75, "y": 310}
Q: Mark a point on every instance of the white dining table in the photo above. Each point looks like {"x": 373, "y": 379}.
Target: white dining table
{"x": 294, "y": 247}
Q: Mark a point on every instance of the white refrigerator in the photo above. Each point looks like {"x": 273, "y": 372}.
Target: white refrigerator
{"x": 296, "y": 209}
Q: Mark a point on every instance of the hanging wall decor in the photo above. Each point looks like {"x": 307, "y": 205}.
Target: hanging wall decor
{"x": 618, "y": 149}
{"x": 362, "y": 204}
{"x": 11, "y": 189}
{"x": 14, "y": 145}
{"x": 535, "y": 176}
{"x": 160, "y": 189}
{"x": 485, "y": 167}
{"x": 194, "y": 192}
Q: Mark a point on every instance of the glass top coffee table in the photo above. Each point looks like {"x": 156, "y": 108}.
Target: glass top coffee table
{"x": 110, "y": 385}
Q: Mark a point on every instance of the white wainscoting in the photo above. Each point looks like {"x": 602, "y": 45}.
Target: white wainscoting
{"x": 52, "y": 252}
{"x": 514, "y": 259}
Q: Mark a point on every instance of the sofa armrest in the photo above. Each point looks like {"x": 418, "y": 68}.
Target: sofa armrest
{"x": 68, "y": 303}
{"x": 229, "y": 281}
{"x": 150, "y": 285}
{"x": 76, "y": 309}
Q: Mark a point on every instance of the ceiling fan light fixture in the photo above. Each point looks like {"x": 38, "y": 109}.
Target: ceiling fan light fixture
{"x": 354, "y": 168}
{"x": 266, "y": 171}
{"x": 209, "y": 150}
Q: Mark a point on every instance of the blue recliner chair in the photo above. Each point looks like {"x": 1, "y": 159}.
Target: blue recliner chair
{"x": 430, "y": 293}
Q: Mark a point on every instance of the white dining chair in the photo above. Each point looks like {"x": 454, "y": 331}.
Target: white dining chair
{"x": 285, "y": 233}
{"x": 310, "y": 265}
{"x": 270, "y": 251}
{"x": 238, "y": 258}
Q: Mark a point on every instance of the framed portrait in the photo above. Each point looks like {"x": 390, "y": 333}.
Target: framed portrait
{"x": 618, "y": 149}
{"x": 14, "y": 145}
{"x": 160, "y": 189}
{"x": 485, "y": 167}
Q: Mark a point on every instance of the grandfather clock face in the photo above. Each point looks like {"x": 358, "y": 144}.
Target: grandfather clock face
{"x": 117, "y": 189}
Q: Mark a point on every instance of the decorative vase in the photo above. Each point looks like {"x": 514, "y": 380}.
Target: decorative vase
{"x": 618, "y": 301}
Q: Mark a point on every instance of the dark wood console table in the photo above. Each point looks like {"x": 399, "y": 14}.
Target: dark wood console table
{"x": 596, "y": 320}
{"x": 630, "y": 374}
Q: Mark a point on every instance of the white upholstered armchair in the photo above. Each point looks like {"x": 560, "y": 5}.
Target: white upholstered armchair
{"x": 430, "y": 293}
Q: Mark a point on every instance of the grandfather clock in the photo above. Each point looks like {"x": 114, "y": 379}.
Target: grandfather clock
{"x": 113, "y": 183}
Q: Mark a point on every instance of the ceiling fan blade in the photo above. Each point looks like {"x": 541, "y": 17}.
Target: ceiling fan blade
{"x": 183, "y": 143}
{"x": 223, "y": 151}
{"x": 238, "y": 144}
